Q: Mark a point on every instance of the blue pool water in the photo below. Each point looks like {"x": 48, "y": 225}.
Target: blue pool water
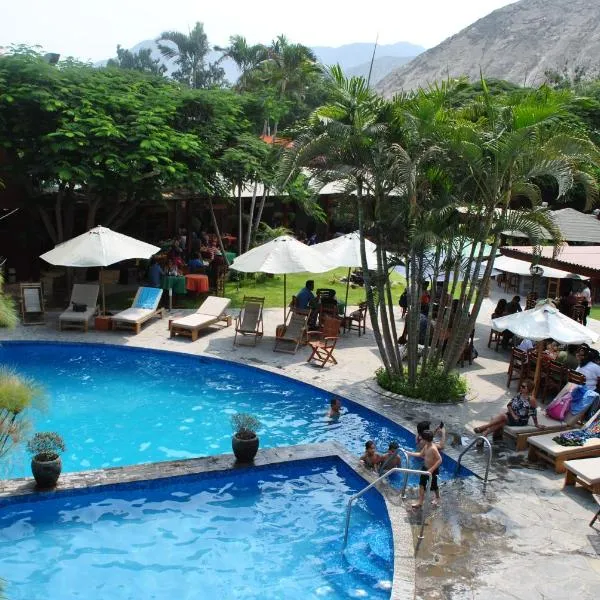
{"x": 118, "y": 406}
{"x": 262, "y": 533}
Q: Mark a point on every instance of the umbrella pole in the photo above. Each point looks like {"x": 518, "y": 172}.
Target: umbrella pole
{"x": 103, "y": 295}
{"x": 284, "y": 297}
{"x": 538, "y": 369}
{"x": 347, "y": 287}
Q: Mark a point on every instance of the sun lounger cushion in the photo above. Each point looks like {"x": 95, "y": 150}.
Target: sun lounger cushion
{"x": 549, "y": 424}
{"x": 587, "y": 469}
{"x": 147, "y": 298}
{"x": 547, "y": 444}
{"x": 133, "y": 314}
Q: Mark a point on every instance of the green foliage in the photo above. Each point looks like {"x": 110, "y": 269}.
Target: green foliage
{"x": 245, "y": 425}
{"x": 140, "y": 61}
{"x": 8, "y": 312}
{"x": 46, "y": 445}
{"x": 17, "y": 394}
{"x": 432, "y": 385}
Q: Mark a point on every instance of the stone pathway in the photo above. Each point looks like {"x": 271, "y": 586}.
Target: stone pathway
{"x": 524, "y": 538}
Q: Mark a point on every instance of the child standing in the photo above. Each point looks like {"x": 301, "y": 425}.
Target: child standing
{"x": 432, "y": 460}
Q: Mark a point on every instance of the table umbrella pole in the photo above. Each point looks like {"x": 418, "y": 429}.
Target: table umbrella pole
{"x": 347, "y": 289}
{"x": 538, "y": 369}
{"x": 103, "y": 294}
{"x": 284, "y": 297}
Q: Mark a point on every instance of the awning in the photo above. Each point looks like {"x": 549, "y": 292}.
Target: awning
{"x": 521, "y": 267}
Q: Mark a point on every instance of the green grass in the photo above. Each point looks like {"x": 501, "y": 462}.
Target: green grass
{"x": 595, "y": 312}
{"x": 271, "y": 287}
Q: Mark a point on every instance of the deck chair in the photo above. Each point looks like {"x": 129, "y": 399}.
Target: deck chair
{"x": 32, "y": 304}
{"x": 82, "y": 307}
{"x": 543, "y": 447}
{"x": 323, "y": 342}
{"x": 250, "y": 320}
{"x": 292, "y": 333}
{"x": 211, "y": 311}
{"x": 143, "y": 308}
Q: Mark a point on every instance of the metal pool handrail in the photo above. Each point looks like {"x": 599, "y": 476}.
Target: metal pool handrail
{"x": 487, "y": 444}
{"x": 386, "y": 474}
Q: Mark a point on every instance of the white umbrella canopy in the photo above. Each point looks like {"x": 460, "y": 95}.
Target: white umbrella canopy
{"x": 282, "y": 255}
{"x": 98, "y": 247}
{"x": 543, "y": 322}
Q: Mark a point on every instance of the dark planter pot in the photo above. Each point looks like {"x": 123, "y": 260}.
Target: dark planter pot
{"x": 244, "y": 450}
{"x": 46, "y": 472}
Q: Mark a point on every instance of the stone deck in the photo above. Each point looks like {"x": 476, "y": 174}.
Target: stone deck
{"x": 523, "y": 538}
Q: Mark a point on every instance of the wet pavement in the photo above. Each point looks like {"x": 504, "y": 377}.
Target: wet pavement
{"x": 523, "y": 538}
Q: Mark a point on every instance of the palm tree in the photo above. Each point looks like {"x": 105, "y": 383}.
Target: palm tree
{"x": 246, "y": 57}
{"x": 189, "y": 53}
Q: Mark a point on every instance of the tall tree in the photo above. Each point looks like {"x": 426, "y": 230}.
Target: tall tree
{"x": 189, "y": 52}
{"x": 247, "y": 57}
{"x": 137, "y": 61}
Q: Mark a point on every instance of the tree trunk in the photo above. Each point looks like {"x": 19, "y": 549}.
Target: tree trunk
{"x": 251, "y": 217}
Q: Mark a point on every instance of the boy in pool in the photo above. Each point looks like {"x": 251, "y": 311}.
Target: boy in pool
{"x": 390, "y": 459}
{"x": 335, "y": 408}
{"x": 432, "y": 460}
{"x": 370, "y": 459}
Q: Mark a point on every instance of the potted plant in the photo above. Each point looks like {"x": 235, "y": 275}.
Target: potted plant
{"x": 45, "y": 448}
{"x": 245, "y": 441}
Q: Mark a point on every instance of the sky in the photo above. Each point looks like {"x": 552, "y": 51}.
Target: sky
{"x": 91, "y": 29}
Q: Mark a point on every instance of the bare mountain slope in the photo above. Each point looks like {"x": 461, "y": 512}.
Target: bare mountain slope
{"x": 517, "y": 43}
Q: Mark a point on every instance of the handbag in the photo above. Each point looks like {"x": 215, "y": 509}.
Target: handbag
{"x": 79, "y": 307}
{"x": 559, "y": 407}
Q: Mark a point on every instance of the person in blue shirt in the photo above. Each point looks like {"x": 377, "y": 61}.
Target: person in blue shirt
{"x": 154, "y": 273}
{"x": 305, "y": 296}
{"x": 195, "y": 265}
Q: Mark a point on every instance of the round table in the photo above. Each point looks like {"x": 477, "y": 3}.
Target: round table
{"x": 170, "y": 282}
{"x": 196, "y": 283}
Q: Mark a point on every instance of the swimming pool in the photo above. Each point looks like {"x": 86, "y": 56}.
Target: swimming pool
{"x": 119, "y": 406}
{"x": 266, "y": 533}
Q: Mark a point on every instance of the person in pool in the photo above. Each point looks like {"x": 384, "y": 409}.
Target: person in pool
{"x": 335, "y": 408}
{"x": 390, "y": 460}
{"x": 370, "y": 459}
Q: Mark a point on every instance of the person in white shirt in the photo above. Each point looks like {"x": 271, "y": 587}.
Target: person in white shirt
{"x": 589, "y": 366}
{"x": 586, "y": 294}
{"x": 526, "y": 345}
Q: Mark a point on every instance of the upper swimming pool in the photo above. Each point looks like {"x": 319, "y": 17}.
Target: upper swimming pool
{"x": 119, "y": 406}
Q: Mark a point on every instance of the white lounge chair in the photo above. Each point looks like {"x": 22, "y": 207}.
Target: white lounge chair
{"x": 210, "y": 312}
{"x": 83, "y": 296}
{"x": 143, "y": 308}
{"x": 544, "y": 447}
{"x": 585, "y": 472}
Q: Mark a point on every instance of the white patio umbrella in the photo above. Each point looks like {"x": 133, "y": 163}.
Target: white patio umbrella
{"x": 280, "y": 256}
{"x": 543, "y": 322}
{"x": 344, "y": 251}
{"x": 98, "y": 247}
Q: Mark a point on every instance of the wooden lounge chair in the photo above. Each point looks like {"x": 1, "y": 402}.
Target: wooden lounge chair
{"x": 83, "y": 296}
{"x": 543, "y": 447}
{"x": 143, "y": 308}
{"x": 211, "y": 311}
{"x": 250, "y": 320}
{"x": 292, "y": 333}
{"x": 323, "y": 342}
{"x": 585, "y": 472}
{"x": 32, "y": 304}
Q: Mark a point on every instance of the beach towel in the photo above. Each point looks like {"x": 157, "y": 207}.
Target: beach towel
{"x": 578, "y": 437}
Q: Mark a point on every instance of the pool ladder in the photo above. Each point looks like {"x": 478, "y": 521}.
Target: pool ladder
{"x": 488, "y": 447}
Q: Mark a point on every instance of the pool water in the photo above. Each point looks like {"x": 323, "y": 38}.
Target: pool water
{"x": 118, "y": 406}
{"x": 262, "y": 533}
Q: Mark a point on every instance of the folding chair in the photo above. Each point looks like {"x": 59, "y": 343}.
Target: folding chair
{"x": 323, "y": 342}
{"x": 250, "y": 320}
{"x": 357, "y": 319}
{"x": 32, "y": 304}
{"x": 293, "y": 333}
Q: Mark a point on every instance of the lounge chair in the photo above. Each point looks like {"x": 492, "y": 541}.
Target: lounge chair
{"x": 82, "y": 307}
{"x": 32, "y": 304}
{"x": 292, "y": 333}
{"x": 143, "y": 308}
{"x": 250, "y": 320}
{"x": 585, "y": 472}
{"x": 544, "y": 447}
{"x": 210, "y": 312}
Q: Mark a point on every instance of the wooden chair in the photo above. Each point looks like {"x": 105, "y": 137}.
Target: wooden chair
{"x": 357, "y": 320}
{"x": 495, "y": 336}
{"x": 511, "y": 283}
{"x": 575, "y": 377}
{"x": 250, "y": 320}
{"x": 467, "y": 353}
{"x": 531, "y": 300}
{"x": 578, "y": 313}
{"x": 553, "y": 288}
{"x": 519, "y": 364}
{"x": 292, "y": 333}
{"x": 323, "y": 342}
{"x": 555, "y": 377}
{"x": 32, "y": 304}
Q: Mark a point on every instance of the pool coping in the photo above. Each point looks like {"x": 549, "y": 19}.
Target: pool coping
{"x": 403, "y": 583}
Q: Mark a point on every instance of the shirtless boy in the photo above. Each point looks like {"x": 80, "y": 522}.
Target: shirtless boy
{"x": 371, "y": 458}
{"x": 335, "y": 408}
{"x": 432, "y": 460}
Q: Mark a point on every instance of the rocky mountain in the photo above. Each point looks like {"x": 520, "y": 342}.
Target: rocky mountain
{"x": 353, "y": 58}
{"x": 517, "y": 43}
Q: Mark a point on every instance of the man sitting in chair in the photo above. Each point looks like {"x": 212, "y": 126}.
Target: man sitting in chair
{"x": 305, "y": 298}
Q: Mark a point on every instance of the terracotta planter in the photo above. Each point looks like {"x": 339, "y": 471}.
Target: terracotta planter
{"x": 46, "y": 472}
{"x": 244, "y": 450}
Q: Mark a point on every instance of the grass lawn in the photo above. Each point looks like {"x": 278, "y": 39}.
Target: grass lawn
{"x": 595, "y": 313}
{"x": 271, "y": 287}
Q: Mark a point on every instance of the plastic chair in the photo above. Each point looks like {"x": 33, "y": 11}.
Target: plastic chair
{"x": 357, "y": 320}
{"x": 518, "y": 363}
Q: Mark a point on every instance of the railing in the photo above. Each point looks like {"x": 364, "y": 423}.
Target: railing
{"x": 387, "y": 474}
{"x": 487, "y": 444}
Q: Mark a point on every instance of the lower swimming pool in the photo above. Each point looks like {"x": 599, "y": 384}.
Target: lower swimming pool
{"x": 263, "y": 533}
{"x": 119, "y": 406}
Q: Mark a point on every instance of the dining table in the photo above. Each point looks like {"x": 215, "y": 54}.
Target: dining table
{"x": 173, "y": 282}
{"x": 197, "y": 283}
